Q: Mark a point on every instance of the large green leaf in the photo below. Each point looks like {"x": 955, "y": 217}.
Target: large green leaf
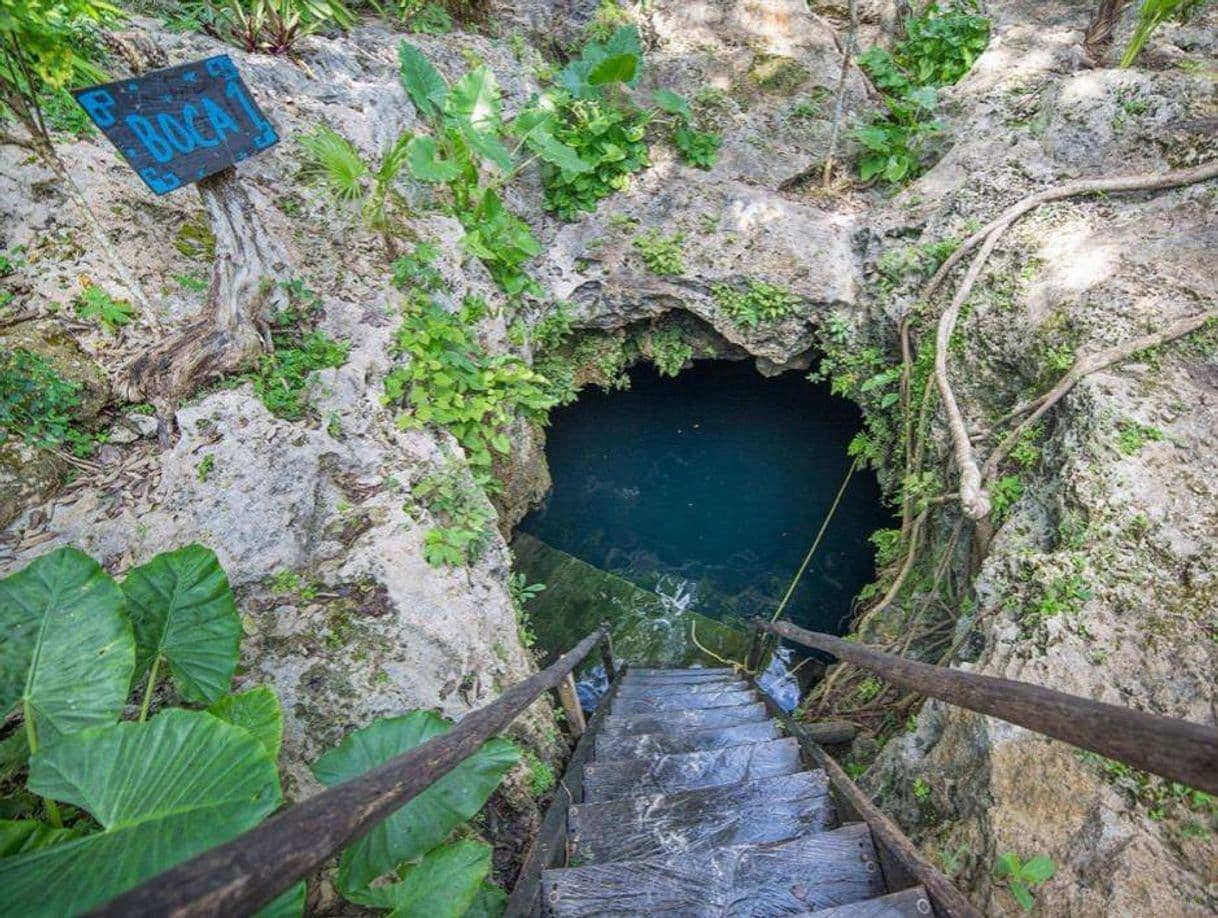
{"x": 554, "y": 151}
{"x": 426, "y": 820}
{"x": 67, "y": 652}
{"x": 183, "y": 611}
{"x": 422, "y": 82}
{"x": 257, "y": 711}
{"x": 487, "y": 145}
{"x": 673, "y": 103}
{"x": 288, "y": 905}
{"x": 445, "y": 883}
{"x": 491, "y": 902}
{"x": 475, "y": 97}
{"x": 422, "y": 157}
{"x": 162, "y": 791}
{"x": 620, "y": 68}
{"x": 20, "y": 836}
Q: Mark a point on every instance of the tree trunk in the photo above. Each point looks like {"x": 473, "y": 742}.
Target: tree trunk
{"x": 1098, "y": 37}
{"x": 245, "y": 292}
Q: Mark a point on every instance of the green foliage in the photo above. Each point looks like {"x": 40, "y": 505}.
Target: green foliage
{"x": 661, "y": 254}
{"x": 273, "y": 26}
{"x": 420, "y": 828}
{"x": 1060, "y": 595}
{"x": 466, "y": 516}
{"x": 522, "y": 592}
{"x": 415, "y": 270}
{"x": 1151, "y": 15}
{"x": 1132, "y": 436}
{"x": 939, "y": 48}
{"x": 423, "y": 17}
{"x": 183, "y": 612}
{"x": 1004, "y": 494}
{"x": 205, "y": 467}
{"x": 697, "y": 148}
{"x": 870, "y": 688}
{"x": 541, "y": 777}
{"x": 143, "y": 796}
{"x": 887, "y": 544}
{"x": 668, "y": 350}
{"x": 43, "y": 48}
{"x": 96, "y": 303}
{"x": 450, "y": 381}
{"x": 1160, "y": 798}
{"x": 503, "y": 242}
{"x": 1022, "y": 878}
{"x": 36, "y": 403}
{"x": 758, "y": 303}
{"x": 921, "y": 789}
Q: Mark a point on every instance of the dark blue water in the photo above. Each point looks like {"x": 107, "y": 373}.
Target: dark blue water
{"x": 710, "y": 487}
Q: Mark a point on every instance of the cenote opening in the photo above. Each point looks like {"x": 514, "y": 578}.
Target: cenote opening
{"x": 688, "y": 503}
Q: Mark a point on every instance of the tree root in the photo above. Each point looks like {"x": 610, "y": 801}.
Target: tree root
{"x": 973, "y": 496}
{"x": 235, "y": 325}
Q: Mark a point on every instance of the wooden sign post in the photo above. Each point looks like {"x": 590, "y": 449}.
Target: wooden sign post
{"x": 181, "y": 124}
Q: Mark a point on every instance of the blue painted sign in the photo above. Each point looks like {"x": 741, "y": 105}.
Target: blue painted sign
{"x": 178, "y": 125}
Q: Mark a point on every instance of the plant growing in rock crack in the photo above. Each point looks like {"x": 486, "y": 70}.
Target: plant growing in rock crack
{"x": 940, "y": 46}
{"x": 522, "y": 592}
{"x": 465, "y": 515}
{"x": 451, "y": 382}
{"x": 124, "y": 800}
{"x": 409, "y": 863}
{"x": 111, "y": 314}
{"x": 270, "y": 26}
{"x": 758, "y": 303}
{"x": 661, "y": 254}
{"x": 1022, "y": 878}
{"x": 37, "y": 404}
{"x": 668, "y": 350}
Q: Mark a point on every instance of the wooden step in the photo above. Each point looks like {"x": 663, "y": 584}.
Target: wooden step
{"x": 681, "y": 721}
{"x": 811, "y": 872}
{"x": 652, "y": 690}
{"x": 908, "y": 903}
{"x": 671, "y": 773}
{"x": 692, "y": 679}
{"x": 681, "y": 701}
{"x": 646, "y": 745}
{"x": 765, "y": 810}
{"x": 681, "y": 674}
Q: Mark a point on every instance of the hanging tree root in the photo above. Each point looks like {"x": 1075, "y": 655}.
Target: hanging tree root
{"x": 973, "y": 495}
{"x": 234, "y": 327}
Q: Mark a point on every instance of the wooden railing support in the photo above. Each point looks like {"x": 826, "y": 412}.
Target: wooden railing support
{"x": 241, "y": 876}
{"x": 569, "y": 698}
{"x": 607, "y": 652}
{"x": 1179, "y": 750}
{"x": 756, "y": 648}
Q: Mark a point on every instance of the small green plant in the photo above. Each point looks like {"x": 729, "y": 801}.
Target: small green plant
{"x": 290, "y": 582}
{"x": 870, "y": 688}
{"x": 758, "y": 303}
{"x": 96, "y": 303}
{"x": 697, "y": 148}
{"x": 450, "y": 381}
{"x": 1060, "y": 595}
{"x": 921, "y": 789}
{"x": 192, "y": 282}
{"x": 205, "y": 467}
{"x": 1004, "y": 494}
{"x": 1151, "y": 15}
{"x": 661, "y": 254}
{"x": 465, "y": 515}
{"x": 522, "y": 592}
{"x": 668, "y": 350}
{"x": 541, "y": 777}
{"x": 36, "y": 403}
{"x": 1022, "y": 878}
{"x": 282, "y": 378}
{"x": 896, "y": 143}
{"x": 271, "y": 26}
{"x": 423, "y": 17}
{"x": 1133, "y": 436}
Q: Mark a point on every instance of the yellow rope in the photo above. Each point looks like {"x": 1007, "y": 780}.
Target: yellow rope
{"x": 816, "y": 544}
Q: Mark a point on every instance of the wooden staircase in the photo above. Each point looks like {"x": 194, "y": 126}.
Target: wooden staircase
{"x": 696, "y": 804}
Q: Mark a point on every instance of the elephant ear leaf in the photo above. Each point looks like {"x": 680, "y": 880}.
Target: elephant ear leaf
{"x": 444, "y": 884}
{"x": 422, "y": 82}
{"x": 67, "y": 653}
{"x": 257, "y": 711}
{"x": 425, "y": 821}
{"x": 183, "y": 611}
{"x": 162, "y": 791}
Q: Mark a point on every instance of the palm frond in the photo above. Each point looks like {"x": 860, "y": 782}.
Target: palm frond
{"x": 332, "y": 159}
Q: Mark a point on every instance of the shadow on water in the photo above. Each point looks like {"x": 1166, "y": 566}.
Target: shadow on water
{"x": 697, "y": 497}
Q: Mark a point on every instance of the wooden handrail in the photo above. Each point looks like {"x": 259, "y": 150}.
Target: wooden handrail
{"x": 1176, "y": 749}
{"x": 241, "y": 876}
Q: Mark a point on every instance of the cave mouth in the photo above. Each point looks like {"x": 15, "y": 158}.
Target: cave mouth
{"x": 692, "y": 500}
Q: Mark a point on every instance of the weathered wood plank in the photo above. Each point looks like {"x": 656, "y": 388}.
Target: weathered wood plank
{"x": 671, "y": 773}
{"x": 636, "y": 690}
{"x": 765, "y": 810}
{"x": 908, "y": 903}
{"x": 681, "y": 701}
{"x": 1176, "y": 749}
{"x": 903, "y": 863}
{"x": 645, "y": 745}
{"x": 569, "y": 698}
{"x": 241, "y": 876}
{"x": 680, "y": 721}
{"x": 816, "y": 871}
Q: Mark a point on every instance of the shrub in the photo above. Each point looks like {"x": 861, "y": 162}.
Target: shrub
{"x": 36, "y": 403}
{"x": 669, "y": 352}
{"x": 758, "y": 303}
{"x": 661, "y": 254}
{"x": 273, "y": 26}
{"x": 465, "y": 515}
